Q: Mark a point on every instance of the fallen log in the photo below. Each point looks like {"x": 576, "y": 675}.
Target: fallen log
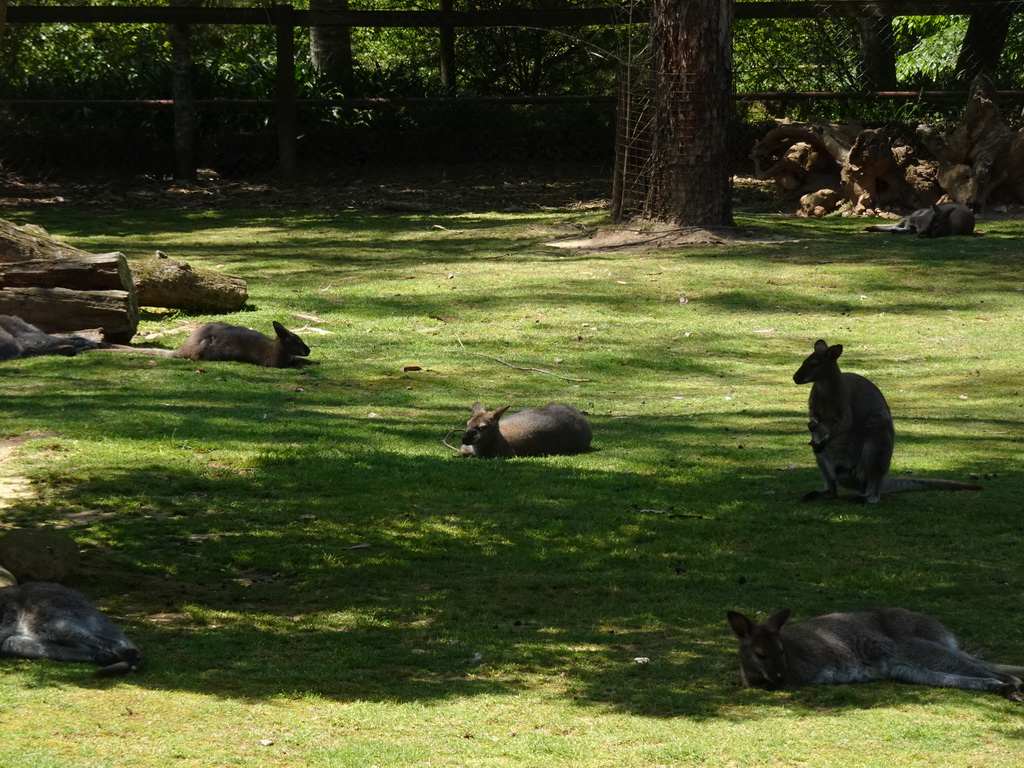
{"x": 57, "y": 309}
{"x": 165, "y": 282}
{"x": 88, "y": 272}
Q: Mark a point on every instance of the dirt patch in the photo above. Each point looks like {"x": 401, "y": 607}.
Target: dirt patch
{"x": 12, "y": 485}
{"x": 652, "y": 236}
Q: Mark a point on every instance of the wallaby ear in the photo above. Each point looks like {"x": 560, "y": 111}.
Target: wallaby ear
{"x": 777, "y": 619}
{"x": 496, "y": 414}
{"x": 835, "y": 351}
{"x": 281, "y": 331}
{"x": 478, "y": 407}
{"x": 820, "y": 345}
{"x": 740, "y": 624}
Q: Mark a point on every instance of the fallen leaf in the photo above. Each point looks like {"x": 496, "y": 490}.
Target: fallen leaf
{"x": 766, "y": 330}
{"x": 408, "y": 368}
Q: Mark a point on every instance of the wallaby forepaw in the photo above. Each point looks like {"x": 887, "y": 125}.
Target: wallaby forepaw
{"x": 815, "y": 496}
{"x": 1012, "y": 691}
{"x": 116, "y": 669}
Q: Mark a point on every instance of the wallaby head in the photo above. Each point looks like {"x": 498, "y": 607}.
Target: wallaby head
{"x": 482, "y": 436}
{"x": 290, "y": 342}
{"x": 762, "y": 656}
{"x": 821, "y": 363}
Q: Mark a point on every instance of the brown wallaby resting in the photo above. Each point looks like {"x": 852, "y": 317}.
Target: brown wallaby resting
{"x": 40, "y": 620}
{"x": 864, "y": 646}
{"x": 235, "y": 343}
{"x": 852, "y": 433}
{"x": 937, "y": 221}
{"x": 554, "y": 429}
{"x": 21, "y": 339}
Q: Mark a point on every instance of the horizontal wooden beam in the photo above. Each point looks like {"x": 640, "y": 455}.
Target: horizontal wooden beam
{"x": 567, "y": 17}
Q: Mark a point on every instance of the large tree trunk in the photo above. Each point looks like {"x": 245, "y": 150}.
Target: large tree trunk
{"x": 184, "y": 103}
{"x": 3, "y": 17}
{"x": 983, "y": 43}
{"x": 877, "y": 52}
{"x": 691, "y": 184}
{"x": 330, "y": 47}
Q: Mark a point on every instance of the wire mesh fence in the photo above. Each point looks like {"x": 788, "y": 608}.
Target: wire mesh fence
{"x": 518, "y": 93}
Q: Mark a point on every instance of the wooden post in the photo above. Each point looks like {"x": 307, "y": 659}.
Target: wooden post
{"x": 287, "y": 122}
{"x": 447, "y": 52}
{"x": 184, "y": 104}
{"x": 3, "y": 15}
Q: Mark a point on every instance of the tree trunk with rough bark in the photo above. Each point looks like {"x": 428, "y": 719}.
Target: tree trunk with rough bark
{"x": 330, "y": 47}
{"x": 690, "y": 182}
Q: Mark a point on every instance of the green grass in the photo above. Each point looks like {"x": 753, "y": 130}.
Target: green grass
{"x": 316, "y": 580}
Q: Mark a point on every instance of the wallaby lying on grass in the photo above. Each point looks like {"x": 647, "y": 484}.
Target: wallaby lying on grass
{"x": 937, "y": 221}
{"x": 21, "y": 339}
{"x": 235, "y": 343}
{"x": 554, "y": 429}
{"x": 40, "y": 620}
{"x": 220, "y": 341}
{"x": 862, "y": 646}
{"x": 852, "y": 433}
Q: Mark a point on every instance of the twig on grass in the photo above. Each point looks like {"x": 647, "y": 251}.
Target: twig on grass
{"x": 444, "y": 440}
{"x": 517, "y": 367}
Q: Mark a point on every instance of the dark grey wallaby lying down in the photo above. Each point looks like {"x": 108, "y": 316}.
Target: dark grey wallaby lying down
{"x": 21, "y": 339}
{"x": 40, "y": 620}
{"x": 863, "y": 646}
{"x": 852, "y": 433}
{"x": 940, "y": 220}
{"x": 556, "y": 428}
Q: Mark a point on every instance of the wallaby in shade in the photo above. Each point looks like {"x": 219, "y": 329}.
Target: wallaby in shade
{"x": 21, "y": 339}
{"x": 940, "y": 220}
{"x": 864, "y": 646}
{"x": 556, "y": 428}
{"x": 852, "y": 433}
{"x": 42, "y": 620}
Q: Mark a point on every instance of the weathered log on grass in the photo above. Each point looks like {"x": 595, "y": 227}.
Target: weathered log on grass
{"x": 983, "y": 155}
{"x": 54, "y": 310}
{"x": 27, "y": 243}
{"x": 88, "y": 272}
{"x": 165, "y": 282}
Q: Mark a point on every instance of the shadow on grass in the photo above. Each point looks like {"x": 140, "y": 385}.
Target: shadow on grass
{"x": 289, "y": 577}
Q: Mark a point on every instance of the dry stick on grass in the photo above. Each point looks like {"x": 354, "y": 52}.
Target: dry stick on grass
{"x": 517, "y": 367}
{"x": 444, "y": 440}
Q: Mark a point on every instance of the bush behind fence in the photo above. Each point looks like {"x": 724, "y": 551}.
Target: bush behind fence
{"x": 518, "y": 93}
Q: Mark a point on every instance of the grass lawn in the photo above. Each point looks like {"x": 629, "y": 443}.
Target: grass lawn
{"x": 316, "y": 580}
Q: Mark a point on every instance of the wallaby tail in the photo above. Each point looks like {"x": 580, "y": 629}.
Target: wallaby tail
{"x": 156, "y": 351}
{"x": 1006, "y": 669}
{"x": 900, "y": 484}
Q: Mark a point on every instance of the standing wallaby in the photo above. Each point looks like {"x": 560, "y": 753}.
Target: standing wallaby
{"x": 852, "y": 433}
{"x": 40, "y": 620}
{"x": 21, "y": 339}
{"x": 863, "y": 646}
{"x": 554, "y": 429}
{"x": 940, "y": 220}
